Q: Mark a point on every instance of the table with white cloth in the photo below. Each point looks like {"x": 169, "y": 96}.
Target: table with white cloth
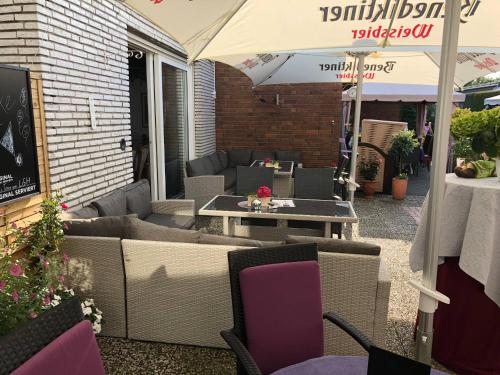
{"x": 467, "y": 332}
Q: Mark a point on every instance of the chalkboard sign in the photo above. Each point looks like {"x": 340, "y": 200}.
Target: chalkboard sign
{"x": 19, "y": 176}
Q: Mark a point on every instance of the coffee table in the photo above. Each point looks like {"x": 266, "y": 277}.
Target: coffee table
{"x": 282, "y": 183}
{"x": 230, "y": 207}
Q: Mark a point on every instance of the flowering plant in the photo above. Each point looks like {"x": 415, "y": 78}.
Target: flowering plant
{"x": 369, "y": 169}
{"x": 268, "y": 160}
{"x": 264, "y": 192}
{"x": 32, "y": 282}
{"x": 93, "y": 314}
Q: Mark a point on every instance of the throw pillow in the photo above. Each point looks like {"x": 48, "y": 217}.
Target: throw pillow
{"x": 142, "y": 230}
{"x": 139, "y": 199}
{"x": 109, "y": 226}
{"x": 114, "y": 204}
{"x": 334, "y": 245}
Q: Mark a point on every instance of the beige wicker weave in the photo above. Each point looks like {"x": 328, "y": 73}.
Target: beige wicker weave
{"x": 203, "y": 188}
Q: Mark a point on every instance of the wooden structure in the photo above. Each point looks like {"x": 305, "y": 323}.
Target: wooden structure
{"x": 377, "y": 133}
{"x": 25, "y": 211}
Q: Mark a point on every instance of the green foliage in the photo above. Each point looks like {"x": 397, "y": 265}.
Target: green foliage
{"x": 481, "y": 81}
{"x": 402, "y": 144}
{"x": 369, "y": 169}
{"x": 463, "y": 149}
{"x": 475, "y": 100}
{"x": 483, "y": 128}
{"x": 28, "y": 284}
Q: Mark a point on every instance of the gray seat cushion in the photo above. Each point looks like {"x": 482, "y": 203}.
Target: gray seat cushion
{"x": 333, "y": 245}
{"x": 229, "y": 177}
{"x": 138, "y": 196}
{"x": 214, "y": 239}
{"x": 199, "y": 167}
{"x": 108, "y": 226}
{"x": 87, "y": 212}
{"x": 295, "y": 156}
{"x": 224, "y": 161}
{"x": 214, "y": 159}
{"x": 142, "y": 230}
{"x": 172, "y": 221}
{"x": 262, "y": 155}
{"x": 114, "y": 204}
{"x": 239, "y": 157}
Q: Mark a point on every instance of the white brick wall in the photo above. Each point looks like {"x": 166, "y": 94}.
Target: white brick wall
{"x": 80, "y": 47}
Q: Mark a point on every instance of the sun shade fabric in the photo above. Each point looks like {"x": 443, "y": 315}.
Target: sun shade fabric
{"x": 215, "y": 28}
{"x": 283, "y": 313}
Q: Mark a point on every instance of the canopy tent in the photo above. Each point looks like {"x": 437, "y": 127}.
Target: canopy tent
{"x": 493, "y": 101}
{"x": 215, "y": 29}
{"x": 386, "y": 92}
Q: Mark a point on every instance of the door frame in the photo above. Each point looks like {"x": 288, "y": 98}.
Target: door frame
{"x": 155, "y": 56}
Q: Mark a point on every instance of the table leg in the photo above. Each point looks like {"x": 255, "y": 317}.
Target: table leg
{"x": 228, "y": 224}
{"x": 328, "y": 230}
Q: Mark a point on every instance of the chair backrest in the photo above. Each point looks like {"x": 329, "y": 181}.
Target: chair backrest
{"x": 249, "y": 179}
{"x": 313, "y": 183}
{"x": 240, "y": 260}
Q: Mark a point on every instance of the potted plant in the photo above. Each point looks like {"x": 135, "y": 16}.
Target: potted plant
{"x": 481, "y": 129}
{"x": 369, "y": 171}
{"x": 264, "y": 195}
{"x": 250, "y": 198}
{"x": 402, "y": 144}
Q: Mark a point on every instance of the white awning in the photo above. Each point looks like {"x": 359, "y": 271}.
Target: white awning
{"x": 494, "y": 100}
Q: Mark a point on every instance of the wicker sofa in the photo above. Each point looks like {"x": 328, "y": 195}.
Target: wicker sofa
{"x": 178, "y": 292}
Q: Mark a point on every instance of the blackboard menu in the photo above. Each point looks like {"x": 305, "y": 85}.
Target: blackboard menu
{"x": 18, "y": 159}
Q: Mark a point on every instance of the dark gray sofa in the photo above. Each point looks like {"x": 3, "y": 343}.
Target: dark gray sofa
{"x": 136, "y": 199}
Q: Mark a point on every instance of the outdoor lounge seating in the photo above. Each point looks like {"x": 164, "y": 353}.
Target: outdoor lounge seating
{"x": 178, "y": 292}
{"x": 135, "y": 199}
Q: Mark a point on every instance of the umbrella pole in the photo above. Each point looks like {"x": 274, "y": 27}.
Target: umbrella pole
{"x": 428, "y": 296}
{"x": 357, "y": 120}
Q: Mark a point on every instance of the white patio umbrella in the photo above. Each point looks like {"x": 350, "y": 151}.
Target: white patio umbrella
{"x": 493, "y": 101}
{"x": 213, "y": 29}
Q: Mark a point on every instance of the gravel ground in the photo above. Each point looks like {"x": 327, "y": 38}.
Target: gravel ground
{"x": 383, "y": 221}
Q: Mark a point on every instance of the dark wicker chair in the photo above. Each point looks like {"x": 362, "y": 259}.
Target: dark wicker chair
{"x": 242, "y": 259}
{"x": 249, "y": 179}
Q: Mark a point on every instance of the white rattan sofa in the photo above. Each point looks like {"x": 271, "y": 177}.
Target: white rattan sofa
{"x": 177, "y": 292}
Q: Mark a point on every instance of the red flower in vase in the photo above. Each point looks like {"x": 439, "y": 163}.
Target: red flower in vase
{"x": 264, "y": 192}
{"x": 267, "y": 160}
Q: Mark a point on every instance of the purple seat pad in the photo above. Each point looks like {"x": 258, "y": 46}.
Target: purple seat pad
{"x": 332, "y": 365}
{"x": 283, "y": 313}
{"x": 75, "y": 352}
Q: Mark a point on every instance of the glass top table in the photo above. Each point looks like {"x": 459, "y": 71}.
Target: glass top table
{"x": 285, "y": 167}
{"x": 231, "y": 206}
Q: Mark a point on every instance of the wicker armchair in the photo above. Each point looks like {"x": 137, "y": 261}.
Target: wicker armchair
{"x": 202, "y": 189}
{"x": 240, "y": 260}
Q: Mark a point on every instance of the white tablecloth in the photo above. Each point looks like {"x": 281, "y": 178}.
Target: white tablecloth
{"x": 470, "y": 229}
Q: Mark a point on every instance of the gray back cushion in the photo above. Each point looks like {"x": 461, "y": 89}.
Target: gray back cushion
{"x": 262, "y": 155}
{"x": 224, "y": 161}
{"x": 314, "y": 183}
{"x": 333, "y": 245}
{"x": 214, "y": 239}
{"x": 214, "y": 159}
{"x": 199, "y": 167}
{"x": 138, "y": 196}
{"x": 249, "y": 179}
{"x": 109, "y": 226}
{"x": 295, "y": 156}
{"x": 114, "y": 204}
{"x": 83, "y": 213}
{"x": 142, "y": 230}
{"x": 239, "y": 157}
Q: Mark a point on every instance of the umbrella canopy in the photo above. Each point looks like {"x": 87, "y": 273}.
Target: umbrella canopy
{"x": 216, "y": 28}
{"x": 390, "y": 92}
{"x": 495, "y": 100}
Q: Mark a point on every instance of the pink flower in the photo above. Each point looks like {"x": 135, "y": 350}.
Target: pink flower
{"x": 45, "y": 264}
{"x": 13, "y": 225}
{"x": 263, "y": 192}
{"x": 33, "y": 315}
{"x": 16, "y": 270}
{"x": 65, "y": 258}
{"x": 267, "y": 160}
{"x": 61, "y": 278}
{"x": 46, "y": 300}
{"x": 51, "y": 291}
{"x": 15, "y": 296}
{"x": 64, "y": 206}
{"x": 65, "y": 226}
{"x": 2, "y": 284}
{"x": 33, "y": 296}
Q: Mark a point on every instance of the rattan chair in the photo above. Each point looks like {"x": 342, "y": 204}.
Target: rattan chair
{"x": 249, "y": 179}
{"x": 241, "y": 260}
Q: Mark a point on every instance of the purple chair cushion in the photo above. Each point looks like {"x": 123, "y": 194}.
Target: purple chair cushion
{"x": 283, "y": 313}
{"x": 75, "y": 352}
{"x": 332, "y": 365}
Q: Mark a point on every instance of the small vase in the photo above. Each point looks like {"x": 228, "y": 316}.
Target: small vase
{"x": 265, "y": 201}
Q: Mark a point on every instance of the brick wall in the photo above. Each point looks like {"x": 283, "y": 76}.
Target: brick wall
{"x": 389, "y": 111}
{"x": 249, "y": 118}
{"x": 80, "y": 48}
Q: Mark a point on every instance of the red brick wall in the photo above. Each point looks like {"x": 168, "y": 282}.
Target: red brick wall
{"x": 249, "y": 118}
{"x": 388, "y": 111}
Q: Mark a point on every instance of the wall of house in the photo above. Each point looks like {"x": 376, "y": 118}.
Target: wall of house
{"x": 250, "y": 118}
{"x": 388, "y": 111}
{"x": 80, "y": 49}
{"x": 204, "y": 111}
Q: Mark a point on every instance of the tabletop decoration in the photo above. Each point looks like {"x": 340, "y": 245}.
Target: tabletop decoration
{"x": 250, "y": 198}
{"x": 264, "y": 195}
{"x": 270, "y": 163}
{"x": 482, "y": 130}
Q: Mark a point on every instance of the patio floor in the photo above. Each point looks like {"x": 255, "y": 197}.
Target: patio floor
{"x": 386, "y": 222}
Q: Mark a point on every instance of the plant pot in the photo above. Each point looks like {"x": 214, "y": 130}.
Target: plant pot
{"x": 369, "y": 189}
{"x": 28, "y": 339}
{"x": 265, "y": 201}
{"x": 399, "y": 187}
